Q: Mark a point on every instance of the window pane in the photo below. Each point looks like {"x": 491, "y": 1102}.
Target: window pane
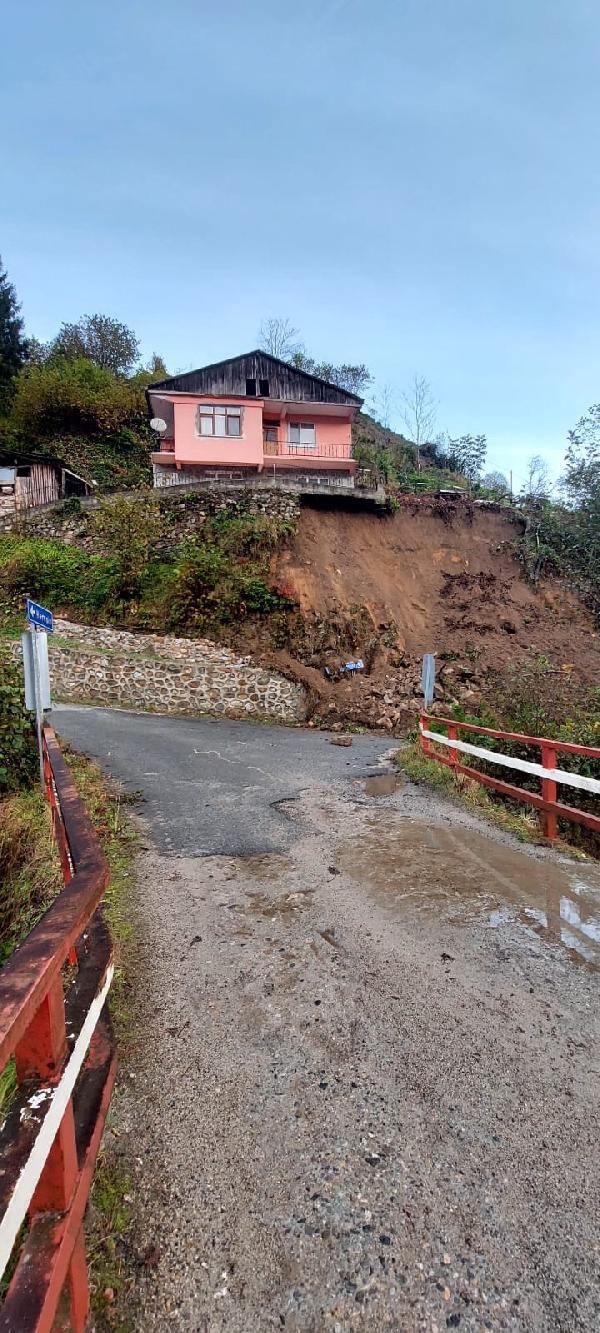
{"x": 220, "y": 410}
{"x": 233, "y": 425}
{"x": 206, "y": 425}
{"x": 307, "y": 433}
{"x": 294, "y": 435}
{"x": 234, "y": 411}
{"x": 220, "y": 425}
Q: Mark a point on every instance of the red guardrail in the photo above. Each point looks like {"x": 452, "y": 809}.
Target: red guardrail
{"x": 54, "y": 1021}
{"x": 550, "y": 808}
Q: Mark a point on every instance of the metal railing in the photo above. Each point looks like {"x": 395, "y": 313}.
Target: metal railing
{"x": 282, "y": 449}
{"x": 54, "y": 1022}
{"x": 546, "y": 802}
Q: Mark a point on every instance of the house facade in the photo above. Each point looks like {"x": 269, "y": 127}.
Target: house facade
{"x": 250, "y": 415}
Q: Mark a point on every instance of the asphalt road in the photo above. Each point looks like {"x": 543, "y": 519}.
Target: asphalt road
{"x": 212, "y": 786}
{"x": 362, "y": 1092}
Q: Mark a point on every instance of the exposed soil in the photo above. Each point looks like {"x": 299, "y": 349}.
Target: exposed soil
{"x": 436, "y": 576}
{"x": 445, "y": 581}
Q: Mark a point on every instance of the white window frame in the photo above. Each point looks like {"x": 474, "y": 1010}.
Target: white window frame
{"x": 215, "y": 413}
{"x": 301, "y": 426}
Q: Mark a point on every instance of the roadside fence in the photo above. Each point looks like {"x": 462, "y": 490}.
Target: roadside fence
{"x": 447, "y": 746}
{"x": 54, "y": 1023}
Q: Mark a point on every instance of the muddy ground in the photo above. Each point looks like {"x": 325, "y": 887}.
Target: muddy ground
{"x": 364, "y": 1093}
{"x": 446, "y": 577}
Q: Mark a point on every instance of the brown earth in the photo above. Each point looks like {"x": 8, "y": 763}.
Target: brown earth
{"x": 436, "y": 576}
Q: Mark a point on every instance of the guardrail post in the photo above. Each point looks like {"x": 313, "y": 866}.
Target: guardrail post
{"x": 548, "y": 820}
{"x": 423, "y": 739}
{"x": 42, "y": 1052}
{"x": 453, "y": 736}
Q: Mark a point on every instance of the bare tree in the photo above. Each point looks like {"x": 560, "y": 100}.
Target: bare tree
{"x": 419, "y": 412}
{"x": 537, "y": 484}
{"x": 279, "y": 337}
{"x": 383, "y": 405}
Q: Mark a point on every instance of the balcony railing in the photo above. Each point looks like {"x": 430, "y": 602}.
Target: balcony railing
{"x": 281, "y": 449}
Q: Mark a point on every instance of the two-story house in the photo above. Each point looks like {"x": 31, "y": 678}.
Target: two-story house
{"x": 252, "y": 414}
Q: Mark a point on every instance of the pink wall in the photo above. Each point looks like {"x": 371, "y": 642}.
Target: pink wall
{"x": 329, "y": 430}
{"x": 248, "y": 448}
{"x": 193, "y": 448}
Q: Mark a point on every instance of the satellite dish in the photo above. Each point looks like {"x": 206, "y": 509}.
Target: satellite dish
{"x": 158, "y": 425}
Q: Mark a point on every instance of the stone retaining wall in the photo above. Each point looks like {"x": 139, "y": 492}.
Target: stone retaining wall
{"x": 165, "y": 675}
{"x": 182, "y": 511}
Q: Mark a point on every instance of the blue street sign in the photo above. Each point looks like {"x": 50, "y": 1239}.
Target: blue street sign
{"x": 38, "y": 615}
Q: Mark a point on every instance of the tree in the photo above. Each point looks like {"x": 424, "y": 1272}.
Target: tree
{"x": 419, "y": 412}
{"x": 537, "y": 480}
{"x": 467, "y": 455}
{"x": 279, "y": 337}
{"x": 355, "y": 379}
{"x": 13, "y": 344}
{"x": 74, "y": 398}
{"x": 581, "y": 480}
{"x": 495, "y": 481}
{"x": 100, "y": 339}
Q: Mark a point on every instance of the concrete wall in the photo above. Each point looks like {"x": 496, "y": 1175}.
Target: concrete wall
{"x": 165, "y": 675}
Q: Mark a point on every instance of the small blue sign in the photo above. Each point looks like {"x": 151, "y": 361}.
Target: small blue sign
{"x": 38, "y": 615}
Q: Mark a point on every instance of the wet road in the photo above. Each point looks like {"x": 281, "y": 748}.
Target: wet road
{"x": 364, "y": 1093}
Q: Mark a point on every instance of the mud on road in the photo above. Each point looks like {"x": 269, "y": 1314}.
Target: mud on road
{"x": 364, "y": 1093}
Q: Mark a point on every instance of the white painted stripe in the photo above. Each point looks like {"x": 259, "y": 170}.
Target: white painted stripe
{"x": 494, "y": 757}
{"x": 32, "y": 1170}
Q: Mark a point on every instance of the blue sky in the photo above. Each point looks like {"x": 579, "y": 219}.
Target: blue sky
{"x": 413, "y": 182}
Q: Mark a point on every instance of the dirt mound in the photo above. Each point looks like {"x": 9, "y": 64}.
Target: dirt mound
{"x": 437, "y": 577}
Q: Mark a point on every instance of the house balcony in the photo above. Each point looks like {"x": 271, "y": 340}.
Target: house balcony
{"x": 281, "y": 454}
{"x": 166, "y": 453}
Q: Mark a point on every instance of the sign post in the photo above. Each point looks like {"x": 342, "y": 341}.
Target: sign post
{"x": 35, "y": 663}
{"x": 428, "y": 678}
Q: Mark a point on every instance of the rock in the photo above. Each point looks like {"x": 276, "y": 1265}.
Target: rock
{"x": 340, "y": 740}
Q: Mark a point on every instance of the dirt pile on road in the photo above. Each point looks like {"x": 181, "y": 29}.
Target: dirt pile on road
{"x": 437, "y": 576}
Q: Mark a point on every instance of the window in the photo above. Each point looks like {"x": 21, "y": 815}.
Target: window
{"x": 302, "y": 432}
{"x": 216, "y": 419}
{"x": 270, "y": 432}
{"x": 263, "y": 388}
{"x": 251, "y": 388}
{"x": 23, "y": 471}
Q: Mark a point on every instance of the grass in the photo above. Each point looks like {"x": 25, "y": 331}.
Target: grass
{"x": 31, "y": 875}
{"x": 110, "y": 1216}
{"x": 31, "y": 878}
{"x": 419, "y": 768}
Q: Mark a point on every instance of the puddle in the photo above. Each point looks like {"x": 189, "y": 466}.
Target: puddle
{"x": 466, "y": 876}
{"x": 383, "y": 784}
{"x": 264, "y": 866}
{"x": 285, "y": 906}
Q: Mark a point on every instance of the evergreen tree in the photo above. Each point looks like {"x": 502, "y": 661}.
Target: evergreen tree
{"x": 13, "y": 345}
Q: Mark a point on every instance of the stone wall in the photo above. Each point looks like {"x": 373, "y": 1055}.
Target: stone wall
{"x": 183, "y": 510}
{"x": 165, "y": 675}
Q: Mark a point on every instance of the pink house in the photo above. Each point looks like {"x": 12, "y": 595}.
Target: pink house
{"x": 253, "y": 414}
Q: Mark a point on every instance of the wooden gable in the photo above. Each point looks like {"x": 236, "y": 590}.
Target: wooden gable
{"x": 249, "y": 372}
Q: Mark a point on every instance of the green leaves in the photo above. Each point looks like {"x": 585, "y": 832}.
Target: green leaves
{"x": 17, "y": 733}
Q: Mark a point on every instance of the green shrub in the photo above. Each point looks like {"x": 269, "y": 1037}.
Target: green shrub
{"x": 17, "y": 733}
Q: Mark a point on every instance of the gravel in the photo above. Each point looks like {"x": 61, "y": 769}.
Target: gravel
{"x": 347, "y": 1112}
